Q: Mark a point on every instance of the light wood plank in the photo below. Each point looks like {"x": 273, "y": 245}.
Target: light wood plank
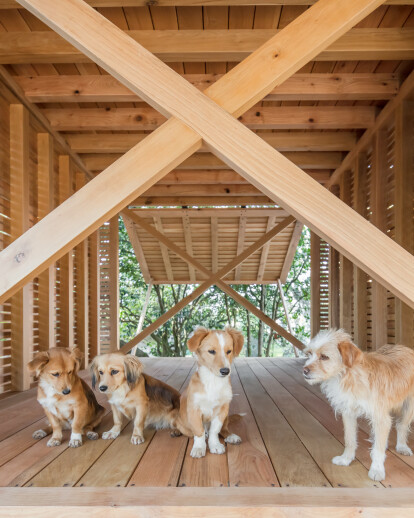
{"x": 114, "y": 283}
{"x": 290, "y": 254}
{"x": 346, "y": 268}
{"x": 164, "y": 251}
{"x": 94, "y": 296}
{"x": 265, "y": 250}
{"x": 13, "y": 4}
{"x": 188, "y": 244}
{"x": 315, "y": 284}
{"x": 240, "y": 242}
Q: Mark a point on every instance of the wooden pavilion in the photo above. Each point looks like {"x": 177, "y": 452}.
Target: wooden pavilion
{"x": 277, "y": 113}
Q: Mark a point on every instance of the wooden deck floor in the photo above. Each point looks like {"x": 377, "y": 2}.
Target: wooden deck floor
{"x": 289, "y": 436}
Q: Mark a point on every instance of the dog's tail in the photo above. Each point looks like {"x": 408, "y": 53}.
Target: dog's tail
{"x": 235, "y": 418}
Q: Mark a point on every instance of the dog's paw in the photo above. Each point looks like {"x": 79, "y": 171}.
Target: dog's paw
{"x": 403, "y": 449}
{"x": 75, "y": 442}
{"x": 39, "y": 434}
{"x": 54, "y": 442}
{"x": 110, "y": 435}
{"x": 175, "y": 433}
{"x": 137, "y": 439}
{"x": 342, "y": 460}
{"x": 198, "y": 452}
{"x": 92, "y": 436}
{"x": 233, "y": 439}
{"x": 376, "y": 473}
{"x": 217, "y": 447}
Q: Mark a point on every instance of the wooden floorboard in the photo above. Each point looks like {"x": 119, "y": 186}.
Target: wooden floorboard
{"x": 289, "y": 434}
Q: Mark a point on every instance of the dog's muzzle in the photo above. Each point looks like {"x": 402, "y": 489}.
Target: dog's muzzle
{"x": 224, "y": 371}
{"x": 306, "y": 372}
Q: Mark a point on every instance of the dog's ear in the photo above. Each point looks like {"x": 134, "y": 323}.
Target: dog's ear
{"x": 133, "y": 369}
{"x": 238, "y": 340}
{"x": 77, "y": 355}
{"x": 95, "y": 371}
{"x": 194, "y": 342}
{"x": 38, "y": 363}
{"x": 350, "y": 353}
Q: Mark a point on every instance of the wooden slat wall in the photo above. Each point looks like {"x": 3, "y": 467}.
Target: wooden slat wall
{"x": 29, "y": 189}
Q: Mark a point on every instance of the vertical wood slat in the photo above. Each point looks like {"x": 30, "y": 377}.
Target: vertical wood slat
{"x": 240, "y": 242}
{"x": 189, "y": 245}
{"x": 333, "y": 288}
{"x": 404, "y": 228}
{"x": 214, "y": 244}
{"x": 66, "y": 302}
{"x": 94, "y": 296}
{"x": 360, "y": 277}
{"x": 346, "y": 267}
{"x": 378, "y": 186}
{"x": 114, "y": 284}
{"x": 45, "y": 203}
{"x": 315, "y": 284}
{"x": 22, "y": 301}
{"x": 82, "y": 272}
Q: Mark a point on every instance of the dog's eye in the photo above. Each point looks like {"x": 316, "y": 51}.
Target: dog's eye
{"x": 324, "y": 357}
{"x": 55, "y": 374}
{"x": 101, "y": 373}
{"x": 69, "y": 373}
{"x": 113, "y": 372}
{"x": 212, "y": 351}
{"x": 228, "y": 352}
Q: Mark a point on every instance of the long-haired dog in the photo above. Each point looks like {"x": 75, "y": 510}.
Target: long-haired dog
{"x": 67, "y": 400}
{"x": 371, "y": 385}
{"x": 204, "y": 405}
{"x": 134, "y": 394}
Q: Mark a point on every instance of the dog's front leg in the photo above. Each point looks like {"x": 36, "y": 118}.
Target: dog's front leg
{"x": 56, "y": 425}
{"x": 350, "y": 435}
{"x": 139, "y": 423}
{"x": 195, "y": 421}
{"x": 77, "y": 429}
{"x": 116, "y": 429}
{"x": 214, "y": 443}
{"x": 381, "y": 426}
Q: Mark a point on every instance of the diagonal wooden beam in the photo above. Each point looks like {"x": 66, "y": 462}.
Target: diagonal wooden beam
{"x": 318, "y": 27}
{"x": 212, "y": 279}
{"x": 297, "y": 232}
{"x": 265, "y": 250}
{"x": 129, "y": 214}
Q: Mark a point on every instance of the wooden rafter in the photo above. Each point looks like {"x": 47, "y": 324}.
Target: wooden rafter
{"x": 294, "y": 241}
{"x": 300, "y": 87}
{"x": 209, "y": 46}
{"x": 136, "y": 245}
{"x": 265, "y": 250}
{"x": 240, "y": 242}
{"x": 107, "y": 42}
{"x": 188, "y": 244}
{"x": 164, "y": 251}
{"x": 13, "y": 4}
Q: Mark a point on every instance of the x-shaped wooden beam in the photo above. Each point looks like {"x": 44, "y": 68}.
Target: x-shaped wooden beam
{"x": 213, "y": 278}
{"x": 195, "y": 117}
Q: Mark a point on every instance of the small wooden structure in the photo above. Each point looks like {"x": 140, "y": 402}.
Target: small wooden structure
{"x": 278, "y": 114}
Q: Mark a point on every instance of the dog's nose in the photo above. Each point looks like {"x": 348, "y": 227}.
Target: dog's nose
{"x": 224, "y": 371}
{"x": 306, "y": 371}
{"x": 66, "y": 391}
{"x": 102, "y": 388}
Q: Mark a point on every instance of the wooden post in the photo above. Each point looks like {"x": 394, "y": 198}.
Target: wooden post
{"x": 404, "y": 228}
{"x": 282, "y": 296}
{"x": 114, "y": 284}
{"x": 94, "y": 296}
{"x": 66, "y": 320}
{"x": 45, "y": 203}
{"x": 22, "y": 301}
{"x": 82, "y": 283}
{"x": 333, "y": 287}
{"x": 315, "y": 283}
{"x": 360, "y": 277}
{"x": 346, "y": 267}
{"x": 378, "y": 218}
{"x": 142, "y": 315}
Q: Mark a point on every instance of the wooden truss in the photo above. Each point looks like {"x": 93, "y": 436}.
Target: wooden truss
{"x": 212, "y": 278}
{"x": 195, "y": 117}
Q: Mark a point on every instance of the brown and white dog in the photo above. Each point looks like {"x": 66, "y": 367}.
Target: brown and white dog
{"x": 137, "y": 396}
{"x": 67, "y": 400}
{"x": 204, "y": 405}
{"x": 371, "y": 385}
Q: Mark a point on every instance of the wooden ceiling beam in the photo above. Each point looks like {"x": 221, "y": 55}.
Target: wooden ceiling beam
{"x": 210, "y": 45}
{"x": 303, "y": 159}
{"x": 12, "y": 4}
{"x": 206, "y": 201}
{"x": 265, "y": 117}
{"x": 300, "y": 87}
{"x": 282, "y": 141}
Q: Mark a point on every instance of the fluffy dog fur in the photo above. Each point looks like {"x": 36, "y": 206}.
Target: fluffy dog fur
{"x": 204, "y": 405}
{"x": 67, "y": 400}
{"x": 137, "y": 396}
{"x": 371, "y": 385}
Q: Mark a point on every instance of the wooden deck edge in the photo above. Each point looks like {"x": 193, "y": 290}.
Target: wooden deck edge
{"x": 185, "y": 502}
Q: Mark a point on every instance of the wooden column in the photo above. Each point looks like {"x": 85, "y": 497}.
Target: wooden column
{"x": 378, "y": 218}
{"x": 22, "y": 301}
{"x": 45, "y": 203}
{"x": 82, "y": 302}
{"x": 360, "y": 277}
{"x": 346, "y": 267}
{"x": 94, "y": 296}
{"x": 66, "y": 319}
{"x": 114, "y": 284}
{"x": 404, "y": 184}
{"x": 333, "y": 288}
{"x": 315, "y": 284}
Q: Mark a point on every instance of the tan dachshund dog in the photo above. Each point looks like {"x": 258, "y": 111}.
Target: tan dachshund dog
{"x": 67, "y": 400}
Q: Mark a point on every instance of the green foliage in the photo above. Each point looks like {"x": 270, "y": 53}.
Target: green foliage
{"x": 214, "y": 309}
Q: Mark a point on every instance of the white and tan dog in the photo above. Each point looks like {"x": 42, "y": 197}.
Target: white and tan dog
{"x": 204, "y": 406}
{"x": 372, "y": 385}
